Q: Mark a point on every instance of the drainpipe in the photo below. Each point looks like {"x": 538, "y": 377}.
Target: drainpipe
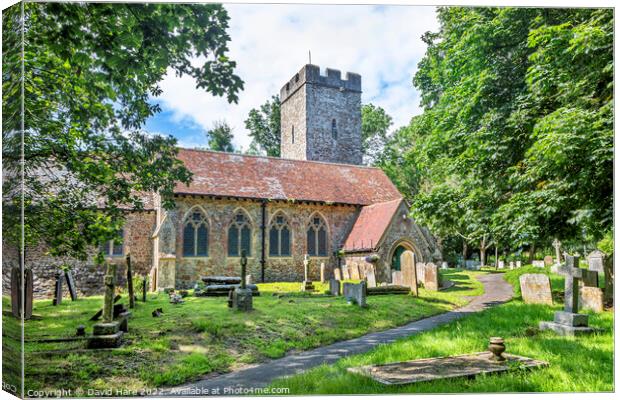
{"x": 263, "y": 209}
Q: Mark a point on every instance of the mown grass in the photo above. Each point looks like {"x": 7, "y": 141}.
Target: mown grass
{"x": 583, "y": 364}
{"x": 202, "y": 336}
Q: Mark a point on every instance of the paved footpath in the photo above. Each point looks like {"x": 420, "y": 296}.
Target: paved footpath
{"x": 496, "y": 291}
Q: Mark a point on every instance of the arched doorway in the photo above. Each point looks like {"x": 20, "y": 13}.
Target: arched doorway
{"x": 400, "y": 249}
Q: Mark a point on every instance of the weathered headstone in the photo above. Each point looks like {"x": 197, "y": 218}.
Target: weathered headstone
{"x": 420, "y": 267}
{"x": 548, "y": 260}
{"x": 500, "y": 264}
{"x": 242, "y": 295}
{"x": 345, "y": 272}
{"x": 538, "y": 263}
{"x": 71, "y": 285}
{"x": 109, "y": 281}
{"x": 408, "y": 269}
{"x": 337, "y": 274}
{"x": 370, "y": 278}
{"x": 144, "y": 289}
{"x": 596, "y": 261}
{"x": 444, "y": 265}
{"x": 248, "y": 279}
{"x": 58, "y": 288}
{"x": 322, "y": 272}
{"x": 334, "y": 287}
{"x": 535, "y": 289}
{"x": 591, "y": 298}
{"x": 431, "y": 277}
{"x": 569, "y": 322}
{"x": 397, "y": 278}
{"x": 132, "y": 300}
{"x": 590, "y": 278}
{"x": 511, "y": 265}
{"x": 518, "y": 264}
{"x": 355, "y": 271}
{"x": 355, "y": 292}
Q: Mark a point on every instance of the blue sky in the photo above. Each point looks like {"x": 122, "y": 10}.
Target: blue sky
{"x": 270, "y": 43}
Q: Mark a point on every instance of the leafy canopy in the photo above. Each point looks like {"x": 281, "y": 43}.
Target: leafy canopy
{"x": 90, "y": 70}
{"x": 220, "y": 137}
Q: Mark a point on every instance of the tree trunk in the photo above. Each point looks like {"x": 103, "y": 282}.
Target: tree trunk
{"x": 532, "y": 252}
{"x": 483, "y": 254}
{"x": 496, "y": 260}
{"x": 464, "y": 251}
{"x": 608, "y": 268}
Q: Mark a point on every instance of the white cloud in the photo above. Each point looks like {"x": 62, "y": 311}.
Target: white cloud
{"x": 270, "y": 43}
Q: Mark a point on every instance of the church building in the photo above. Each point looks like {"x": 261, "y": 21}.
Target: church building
{"x": 317, "y": 199}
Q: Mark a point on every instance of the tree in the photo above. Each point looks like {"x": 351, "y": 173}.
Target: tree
{"x": 375, "y": 125}
{"x": 89, "y": 70}
{"x": 508, "y": 95}
{"x": 220, "y": 137}
{"x": 264, "y": 126}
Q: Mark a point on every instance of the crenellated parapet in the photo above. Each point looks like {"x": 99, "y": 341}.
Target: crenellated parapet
{"x": 332, "y": 78}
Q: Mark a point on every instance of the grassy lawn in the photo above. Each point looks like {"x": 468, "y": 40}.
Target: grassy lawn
{"x": 576, "y": 364}
{"x": 202, "y": 336}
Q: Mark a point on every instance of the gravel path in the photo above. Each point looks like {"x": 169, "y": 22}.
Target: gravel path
{"x": 496, "y": 291}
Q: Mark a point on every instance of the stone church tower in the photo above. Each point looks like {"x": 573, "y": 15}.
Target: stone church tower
{"x": 321, "y": 117}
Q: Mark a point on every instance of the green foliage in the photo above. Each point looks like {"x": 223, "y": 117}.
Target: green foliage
{"x": 515, "y": 143}
{"x": 375, "y": 125}
{"x": 264, "y": 126}
{"x": 606, "y": 245}
{"x": 220, "y": 137}
{"x": 90, "y": 70}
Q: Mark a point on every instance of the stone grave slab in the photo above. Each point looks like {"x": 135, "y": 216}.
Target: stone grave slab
{"x": 538, "y": 263}
{"x": 596, "y": 260}
{"x": 535, "y": 289}
{"x": 371, "y": 279}
{"x": 334, "y": 287}
{"x": 337, "y": 274}
{"x": 355, "y": 272}
{"x": 431, "y": 277}
{"x": 518, "y": 264}
{"x": 591, "y": 298}
{"x": 408, "y": 269}
{"x": 500, "y": 264}
{"x": 420, "y": 268}
{"x": 397, "y": 278}
{"x": 322, "y": 272}
{"x": 346, "y": 275}
{"x": 429, "y": 369}
{"x": 548, "y": 260}
{"x": 355, "y": 292}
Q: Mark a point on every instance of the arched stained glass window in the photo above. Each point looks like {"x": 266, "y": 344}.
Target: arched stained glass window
{"x": 195, "y": 235}
{"x": 279, "y": 237}
{"x": 317, "y": 237}
{"x": 239, "y": 235}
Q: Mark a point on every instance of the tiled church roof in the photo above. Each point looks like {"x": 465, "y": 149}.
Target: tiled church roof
{"x": 370, "y": 225}
{"x": 237, "y": 175}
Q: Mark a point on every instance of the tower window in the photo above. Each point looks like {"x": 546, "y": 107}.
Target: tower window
{"x": 334, "y": 129}
{"x": 293, "y": 134}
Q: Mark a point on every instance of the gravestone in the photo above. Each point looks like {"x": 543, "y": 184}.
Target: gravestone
{"x": 355, "y": 292}
{"x": 500, "y": 264}
{"x": 518, "y": 264}
{"x": 591, "y": 298}
{"x": 337, "y": 274}
{"x": 248, "y": 279}
{"x": 535, "y": 289}
{"x": 355, "y": 271}
{"x": 409, "y": 273}
{"x": 444, "y": 265}
{"x": 144, "y": 289}
{"x": 107, "y": 334}
{"x": 58, "y": 288}
{"x": 431, "y": 277}
{"x": 596, "y": 261}
{"x": 548, "y": 260}
{"x": 569, "y": 322}
{"x": 334, "y": 287}
{"x": 419, "y": 270}
{"x": 71, "y": 285}
{"x": 511, "y": 265}
{"x": 21, "y": 293}
{"x": 242, "y": 295}
{"x": 345, "y": 272}
{"x": 538, "y": 263}
{"x": 307, "y": 285}
{"x": 590, "y": 278}
{"x": 556, "y": 244}
{"x": 397, "y": 278}
{"x": 322, "y": 272}
{"x": 371, "y": 280}
{"x": 132, "y": 300}
{"x": 472, "y": 265}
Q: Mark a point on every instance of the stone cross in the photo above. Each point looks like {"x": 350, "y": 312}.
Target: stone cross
{"x": 556, "y": 244}
{"x": 244, "y": 263}
{"x": 306, "y": 267}
{"x": 108, "y": 299}
{"x": 572, "y": 274}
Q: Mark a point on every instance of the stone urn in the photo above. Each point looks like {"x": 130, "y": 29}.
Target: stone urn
{"x": 497, "y": 347}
